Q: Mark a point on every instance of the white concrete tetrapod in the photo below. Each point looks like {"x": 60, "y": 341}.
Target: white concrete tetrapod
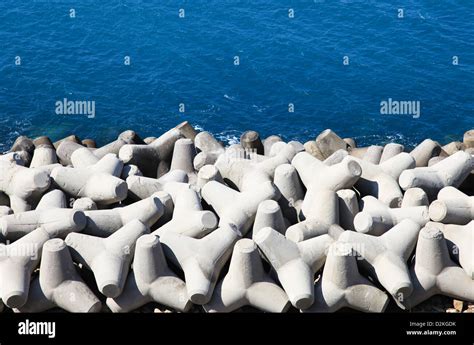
{"x": 44, "y": 153}
{"x": 103, "y": 223}
{"x": 269, "y": 215}
{"x": 451, "y": 171}
{"x": 151, "y": 280}
{"x": 316, "y": 174}
{"x": 59, "y": 284}
{"x": 376, "y": 218}
{"x": 415, "y": 197}
{"x": 348, "y": 208}
{"x": 97, "y": 182}
{"x": 385, "y": 257}
{"x": 336, "y": 157}
{"x": 390, "y": 150}
{"x": 247, "y": 283}
{"x": 342, "y": 286}
{"x": 268, "y": 143}
{"x": 238, "y": 208}
{"x": 201, "y": 259}
{"x": 183, "y": 156}
{"x": 381, "y": 181}
{"x": 65, "y": 150}
{"x": 433, "y": 272}
{"x": 250, "y": 141}
{"x": 329, "y": 142}
{"x": 209, "y": 149}
{"x": 452, "y": 207}
{"x": 21, "y": 183}
{"x": 84, "y": 204}
{"x": 108, "y": 258}
{"x": 188, "y": 217}
{"x": 287, "y": 181}
{"x": 124, "y": 138}
{"x": 147, "y": 157}
{"x": 208, "y": 173}
{"x": 53, "y": 199}
{"x": 373, "y": 154}
{"x": 320, "y": 210}
{"x": 17, "y": 262}
{"x": 424, "y": 151}
{"x": 58, "y": 222}
{"x": 295, "y": 263}
{"x": 141, "y": 187}
{"x": 246, "y": 174}
{"x": 460, "y": 240}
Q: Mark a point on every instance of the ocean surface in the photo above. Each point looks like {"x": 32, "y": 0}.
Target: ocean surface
{"x": 284, "y": 62}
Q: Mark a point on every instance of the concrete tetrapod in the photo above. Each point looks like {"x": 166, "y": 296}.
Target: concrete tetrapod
{"x": 108, "y": 258}
{"x": 295, "y": 263}
{"x": 288, "y": 183}
{"x": 320, "y": 210}
{"x": 183, "y": 156}
{"x": 147, "y": 157}
{"x": 201, "y": 259}
{"x": 17, "y": 262}
{"x": 247, "y": 174}
{"x": 390, "y": 150}
{"x": 385, "y": 257}
{"x": 238, "y": 208}
{"x": 209, "y": 149}
{"x": 348, "y": 208}
{"x": 381, "y": 181}
{"x": 44, "y": 153}
{"x": 342, "y": 285}
{"x": 58, "y": 222}
{"x": 103, "y": 223}
{"x": 452, "y": 207}
{"x": 246, "y": 283}
{"x": 269, "y": 215}
{"x": 96, "y": 181}
{"x": 460, "y": 240}
{"x": 415, "y": 197}
{"x": 141, "y": 187}
{"x": 124, "y": 138}
{"x": 59, "y": 284}
{"x": 150, "y": 280}
{"x": 451, "y": 171}
{"x": 376, "y": 218}
{"x": 188, "y": 217}
{"x": 20, "y": 183}
{"x": 329, "y": 142}
{"x": 424, "y": 151}
{"x": 316, "y": 175}
{"x": 433, "y": 272}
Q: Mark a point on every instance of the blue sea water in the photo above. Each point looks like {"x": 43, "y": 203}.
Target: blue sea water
{"x": 283, "y": 60}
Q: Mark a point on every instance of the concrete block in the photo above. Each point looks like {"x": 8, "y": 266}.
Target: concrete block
{"x": 59, "y": 284}
{"x": 108, "y": 258}
{"x": 295, "y": 263}
{"x": 124, "y": 138}
{"x": 209, "y": 149}
{"x": 415, "y": 197}
{"x": 72, "y": 138}
{"x": 53, "y": 199}
{"x": 350, "y": 142}
{"x": 424, "y": 151}
{"x": 468, "y": 139}
{"x": 103, "y": 223}
{"x": 452, "y": 207}
{"x": 151, "y": 280}
{"x": 208, "y": 173}
{"x": 450, "y": 171}
{"x": 269, "y": 215}
{"x": 250, "y": 140}
{"x": 246, "y": 283}
{"x": 453, "y": 147}
{"x": 188, "y": 217}
{"x": 433, "y": 272}
{"x": 391, "y": 150}
{"x": 385, "y": 257}
{"x": 287, "y": 181}
{"x": 460, "y": 241}
{"x": 97, "y": 182}
{"x": 238, "y": 208}
{"x": 201, "y": 259}
{"x": 65, "y": 150}
{"x": 377, "y": 218}
{"x": 17, "y": 262}
{"x": 313, "y": 149}
{"x": 268, "y": 143}
{"x": 183, "y": 156}
{"x": 147, "y": 157}
{"x": 141, "y": 187}
{"x": 373, "y": 154}
{"x": 341, "y": 285}
{"x": 328, "y": 142}
{"x": 20, "y": 183}
{"x": 348, "y": 208}
{"x": 44, "y": 153}
{"x": 381, "y": 181}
